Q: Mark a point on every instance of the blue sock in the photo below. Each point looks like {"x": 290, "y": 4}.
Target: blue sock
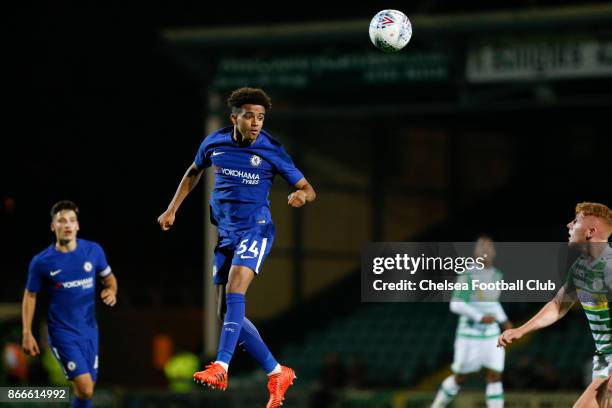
{"x": 231, "y": 326}
{"x": 80, "y": 403}
{"x": 252, "y": 342}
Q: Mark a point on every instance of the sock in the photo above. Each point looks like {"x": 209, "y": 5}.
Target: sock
{"x": 222, "y": 364}
{"x": 275, "y": 370}
{"x": 252, "y": 342}
{"x": 231, "y": 326}
{"x": 495, "y": 395}
{"x": 80, "y": 403}
{"x": 447, "y": 392}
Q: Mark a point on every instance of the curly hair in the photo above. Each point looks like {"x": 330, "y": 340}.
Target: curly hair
{"x": 251, "y": 96}
{"x": 595, "y": 209}
{"x": 62, "y": 206}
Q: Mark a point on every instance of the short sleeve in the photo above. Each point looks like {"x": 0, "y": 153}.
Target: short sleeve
{"x": 103, "y": 269}
{"x": 35, "y": 276}
{"x": 202, "y": 158}
{"x": 285, "y": 167}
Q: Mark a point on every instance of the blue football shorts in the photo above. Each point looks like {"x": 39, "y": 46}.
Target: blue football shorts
{"x": 76, "y": 355}
{"x": 247, "y": 248}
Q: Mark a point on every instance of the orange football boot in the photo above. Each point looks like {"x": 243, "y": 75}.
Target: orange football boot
{"x": 278, "y": 385}
{"x": 213, "y": 376}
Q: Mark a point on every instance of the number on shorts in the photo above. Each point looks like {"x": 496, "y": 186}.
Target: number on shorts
{"x": 242, "y": 248}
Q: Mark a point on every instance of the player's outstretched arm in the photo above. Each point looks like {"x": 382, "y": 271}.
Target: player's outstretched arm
{"x": 304, "y": 194}
{"x": 28, "y": 306}
{"x": 549, "y": 314}
{"x": 188, "y": 182}
{"x": 109, "y": 293}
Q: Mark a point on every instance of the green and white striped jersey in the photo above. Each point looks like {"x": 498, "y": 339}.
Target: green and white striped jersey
{"x": 472, "y": 305}
{"x": 592, "y": 283}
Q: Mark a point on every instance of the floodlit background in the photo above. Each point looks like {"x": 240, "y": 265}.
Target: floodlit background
{"x": 495, "y": 118}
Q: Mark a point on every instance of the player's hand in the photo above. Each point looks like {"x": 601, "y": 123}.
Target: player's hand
{"x": 508, "y": 337}
{"x": 488, "y": 319}
{"x": 166, "y": 220}
{"x": 29, "y": 344}
{"x": 109, "y": 296}
{"x": 297, "y": 199}
{"x": 507, "y": 325}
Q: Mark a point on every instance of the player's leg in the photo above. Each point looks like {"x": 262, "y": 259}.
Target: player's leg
{"x": 280, "y": 378}
{"x": 83, "y": 386}
{"x": 493, "y": 359}
{"x": 239, "y": 279}
{"x": 252, "y": 251}
{"x": 465, "y": 361}
{"x": 75, "y": 357}
{"x": 448, "y": 390}
{"x": 595, "y": 396}
{"x": 214, "y": 375}
{"x": 495, "y": 390}
{"x": 250, "y": 339}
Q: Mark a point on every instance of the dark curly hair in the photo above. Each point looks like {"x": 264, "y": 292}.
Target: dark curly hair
{"x": 64, "y": 205}
{"x": 252, "y": 96}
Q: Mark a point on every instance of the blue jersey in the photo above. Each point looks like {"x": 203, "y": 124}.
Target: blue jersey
{"x": 70, "y": 280}
{"x": 243, "y": 177}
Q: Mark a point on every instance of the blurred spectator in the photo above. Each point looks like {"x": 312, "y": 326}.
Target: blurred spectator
{"x": 15, "y": 363}
{"x": 179, "y": 370}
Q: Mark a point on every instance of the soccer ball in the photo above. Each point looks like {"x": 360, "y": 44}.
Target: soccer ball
{"x": 390, "y": 30}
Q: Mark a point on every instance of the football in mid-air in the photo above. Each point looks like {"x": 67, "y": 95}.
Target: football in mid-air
{"x": 390, "y": 30}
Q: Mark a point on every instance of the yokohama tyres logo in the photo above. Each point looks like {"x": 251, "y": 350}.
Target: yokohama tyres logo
{"x": 82, "y": 283}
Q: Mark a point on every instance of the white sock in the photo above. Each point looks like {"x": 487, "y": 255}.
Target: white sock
{"x": 222, "y": 364}
{"x": 495, "y": 395}
{"x": 447, "y": 392}
{"x": 276, "y": 370}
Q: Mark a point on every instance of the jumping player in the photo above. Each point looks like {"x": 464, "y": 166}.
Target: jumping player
{"x": 245, "y": 158}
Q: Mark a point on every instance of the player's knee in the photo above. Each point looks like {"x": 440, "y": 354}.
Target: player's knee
{"x": 84, "y": 391}
{"x": 459, "y": 379}
{"x": 239, "y": 279}
{"x": 235, "y": 287}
